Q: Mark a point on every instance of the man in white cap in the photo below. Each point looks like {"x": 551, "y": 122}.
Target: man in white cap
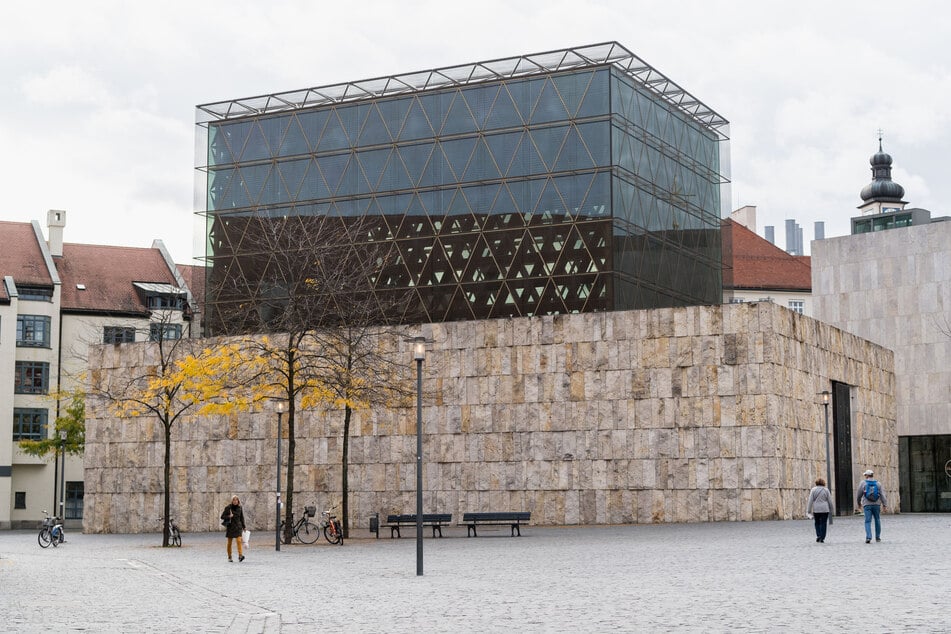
{"x": 871, "y": 498}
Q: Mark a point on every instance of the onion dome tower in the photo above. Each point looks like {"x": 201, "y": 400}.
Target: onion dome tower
{"x": 882, "y": 194}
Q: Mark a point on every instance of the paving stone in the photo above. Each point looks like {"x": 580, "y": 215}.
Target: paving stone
{"x": 714, "y": 577}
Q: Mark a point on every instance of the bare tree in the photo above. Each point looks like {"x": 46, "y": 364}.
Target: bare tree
{"x": 301, "y": 279}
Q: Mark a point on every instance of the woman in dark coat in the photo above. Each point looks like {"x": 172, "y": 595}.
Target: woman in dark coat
{"x": 234, "y": 516}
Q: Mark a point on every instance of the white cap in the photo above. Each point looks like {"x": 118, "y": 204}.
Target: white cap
{"x": 868, "y": 472}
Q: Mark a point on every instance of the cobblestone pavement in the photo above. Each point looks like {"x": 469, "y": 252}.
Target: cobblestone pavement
{"x": 724, "y": 577}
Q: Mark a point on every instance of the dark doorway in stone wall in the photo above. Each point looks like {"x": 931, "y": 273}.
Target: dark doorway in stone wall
{"x": 842, "y": 447}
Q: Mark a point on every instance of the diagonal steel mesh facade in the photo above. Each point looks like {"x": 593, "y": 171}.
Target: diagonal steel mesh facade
{"x": 571, "y": 181}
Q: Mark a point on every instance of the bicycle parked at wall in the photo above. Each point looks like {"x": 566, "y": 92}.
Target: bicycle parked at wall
{"x": 174, "y": 535}
{"x": 51, "y": 532}
{"x": 304, "y": 530}
{"x": 332, "y": 529}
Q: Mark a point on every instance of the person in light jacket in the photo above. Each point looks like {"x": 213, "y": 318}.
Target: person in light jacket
{"x": 871, "y": 508}
{"x": 819, "y": 507}
{"x": 234, "y": 516}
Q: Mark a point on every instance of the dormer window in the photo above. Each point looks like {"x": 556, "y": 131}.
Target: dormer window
{"x": 165, "y": 302}
{"x": 161, "y": 296}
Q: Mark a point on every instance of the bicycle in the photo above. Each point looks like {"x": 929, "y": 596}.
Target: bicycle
{"x": 51, "y": 532}
{"x": 304, "y": 530}
{"x": 332, "y": 530}
{"x": 174, "y": 535}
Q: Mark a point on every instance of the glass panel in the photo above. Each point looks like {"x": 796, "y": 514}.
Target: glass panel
{"x": 459, "y": 119}
{"x": 294, "y": 142}
{"x": 375, "y": 131}
{"x": 504, "y": 113}
{"x": 393, "y": 112}
{"x": 481, "y": 164}
{"x": 332, "y": 169}
{"x": 435, "y": 106}
{"x": 373, "y": 163}
{"x": 312, "y": 123}
{"x": 457, "y": 153}
{"x": 292, "y": 173}
{"x": 273, "y": 130}
{"x": 597, "y": 140}
{"x": 415, "y": 158}
{"x": 416, "y": 125}
{"x": 549, "y": 106}
{"x": 548, "y": 141}
{"x": 256, "y": 148}
{"x": 480, "y": 100}
{"x": 503, "y": 147}
{"x": 597, "y": 96}
{"x": 334, "y": 136}
{"x": 571, "y": 88}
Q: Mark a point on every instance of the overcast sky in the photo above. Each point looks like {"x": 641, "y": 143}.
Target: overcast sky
{"x": 97, "y": 99}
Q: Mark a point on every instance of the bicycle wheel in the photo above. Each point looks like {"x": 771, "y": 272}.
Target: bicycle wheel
{"x": 332, "y": 533}
{"x": 44, "y": 537}
{"x": 176, "y": 537}
{"x": 308, "y": 533}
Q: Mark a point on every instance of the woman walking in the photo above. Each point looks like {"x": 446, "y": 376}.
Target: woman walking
{"x": 820, "y": 505}
{"x": 233, "y": 520}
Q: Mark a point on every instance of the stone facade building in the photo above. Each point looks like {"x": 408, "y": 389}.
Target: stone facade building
{"x": 669, "y": 415}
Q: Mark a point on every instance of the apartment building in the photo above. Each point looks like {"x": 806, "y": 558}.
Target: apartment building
{"x": 57, "y": 299}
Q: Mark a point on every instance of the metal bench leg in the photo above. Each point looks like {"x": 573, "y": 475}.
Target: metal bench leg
{"x": 395, "y": 530}
{"x": 515, "y": 529}
{"x": 471, "y": 530}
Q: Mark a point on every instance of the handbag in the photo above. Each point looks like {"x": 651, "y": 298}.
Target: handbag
{"x": 246, "y": 537}
{"x": 226, "y": 521}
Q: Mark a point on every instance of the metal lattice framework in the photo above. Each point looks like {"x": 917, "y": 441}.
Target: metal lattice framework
{"x": 611, "y": 53}
{"x": 577, "y": 180}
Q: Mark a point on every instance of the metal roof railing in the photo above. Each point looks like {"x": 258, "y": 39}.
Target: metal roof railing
{"x": 565, "y": 59}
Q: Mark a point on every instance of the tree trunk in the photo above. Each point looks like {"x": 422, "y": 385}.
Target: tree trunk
{"x": 168, "y": 480}
{"x": 289, "y": 489}
{"x": 344, "y": 484}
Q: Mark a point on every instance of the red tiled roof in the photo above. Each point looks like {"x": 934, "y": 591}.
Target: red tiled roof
{"x": 21, "y": 257}
{"x": 108, "y": 274}
{"x": 752, "y": 262}
{"x": 195, "y": 279}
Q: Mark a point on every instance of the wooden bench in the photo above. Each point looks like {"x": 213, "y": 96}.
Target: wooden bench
{"x": 434, "y": 520}
{"x": 471, "y": 520}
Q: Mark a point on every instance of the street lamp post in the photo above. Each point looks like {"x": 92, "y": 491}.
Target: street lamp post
{"x": 825, "y": 404}
{"x": 62, "y": 476}
{"x": 277, "y": 514}
{"x": 419, "y": 354}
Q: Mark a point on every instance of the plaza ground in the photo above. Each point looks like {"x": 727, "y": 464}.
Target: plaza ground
{"x": 722, "y": 577}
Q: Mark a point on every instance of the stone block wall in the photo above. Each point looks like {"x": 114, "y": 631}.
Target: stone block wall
{"x": 671, "y": 415}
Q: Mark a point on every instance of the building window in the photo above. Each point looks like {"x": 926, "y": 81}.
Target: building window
{"x": 33, "y": 331}
{"x": 165, "y": 302}
{"x": 19, "y": 500}
{"x": 165, "y": 331}
{"x": 118, "y": 334}
{"x": 35, "y": 293}
{"x": 797, "y": 306}
{"x": 737, "y": 300}
{"x": 31, "y": 377}
{"x": 74, "y": 500}
{"x": 29, "y": 423}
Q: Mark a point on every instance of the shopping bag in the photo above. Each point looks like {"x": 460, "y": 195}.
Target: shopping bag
{"x": 246, "y": 538}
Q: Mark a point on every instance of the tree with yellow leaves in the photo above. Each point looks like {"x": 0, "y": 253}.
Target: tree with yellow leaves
{"x": 183, "y": 379}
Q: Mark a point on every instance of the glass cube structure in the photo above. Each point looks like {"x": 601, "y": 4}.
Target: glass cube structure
{"x": 568, "y": 181}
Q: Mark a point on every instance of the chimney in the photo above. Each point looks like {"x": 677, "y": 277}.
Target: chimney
{"x": 55, "y": 221}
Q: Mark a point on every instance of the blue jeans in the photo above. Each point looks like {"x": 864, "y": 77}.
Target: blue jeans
{"x": 822, "y": 523}
{"x": 873, "y": 510}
